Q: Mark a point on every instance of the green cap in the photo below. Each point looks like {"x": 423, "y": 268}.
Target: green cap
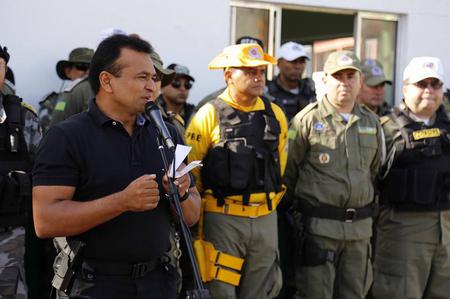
{"x": 341, "y": 60}
{"x": 373, "y": 72}
{"x": 168, "y": 75}
{"x": 78, "y": 55}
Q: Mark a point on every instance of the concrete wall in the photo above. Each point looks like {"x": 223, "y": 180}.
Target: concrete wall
{"x": 39, "y": 33}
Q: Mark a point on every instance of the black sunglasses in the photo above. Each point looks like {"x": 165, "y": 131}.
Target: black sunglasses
{"x": 81, "y": 66}
{"x": 177, "y": 84}
{"x": 434, "y": 84}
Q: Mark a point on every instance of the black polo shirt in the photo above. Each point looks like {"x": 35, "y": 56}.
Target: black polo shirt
{"x": 95, "y": 154}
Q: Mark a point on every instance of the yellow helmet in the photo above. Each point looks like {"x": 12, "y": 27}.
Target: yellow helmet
{"x": 243, "y": 55}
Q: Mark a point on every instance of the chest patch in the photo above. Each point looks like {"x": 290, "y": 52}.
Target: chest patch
{"x": 427, "y": 133}
{"x": 324, "y": 158}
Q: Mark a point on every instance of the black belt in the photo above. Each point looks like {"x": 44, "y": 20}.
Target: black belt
{"x": 134, "y": 271}
{"x": 337, "y": 213}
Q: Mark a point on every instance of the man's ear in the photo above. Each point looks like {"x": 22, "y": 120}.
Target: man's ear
{"x": 105, "y": 81}
{"x": 228, "y": 74}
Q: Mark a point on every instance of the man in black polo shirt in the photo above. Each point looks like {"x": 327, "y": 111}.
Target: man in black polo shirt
{"x": 98, "y": 179}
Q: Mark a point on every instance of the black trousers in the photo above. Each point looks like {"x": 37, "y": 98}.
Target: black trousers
{"x": 158, "y": 284}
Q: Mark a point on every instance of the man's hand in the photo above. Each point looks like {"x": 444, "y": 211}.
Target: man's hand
{"x": 142, "y": 194}
{"x": 182, "y": 182}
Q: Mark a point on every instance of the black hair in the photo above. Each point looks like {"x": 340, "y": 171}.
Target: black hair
{"x": 108, "y": 52}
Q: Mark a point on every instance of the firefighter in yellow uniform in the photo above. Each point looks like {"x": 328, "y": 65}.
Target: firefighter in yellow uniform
{"x": 241, "y": 139}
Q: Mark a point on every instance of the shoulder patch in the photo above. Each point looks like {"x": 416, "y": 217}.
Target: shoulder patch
{"x": 60, "y": 106}
{"x": 29, "y": 107}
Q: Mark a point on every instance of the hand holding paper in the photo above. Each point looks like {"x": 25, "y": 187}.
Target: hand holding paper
{"x": 181, "y": 153}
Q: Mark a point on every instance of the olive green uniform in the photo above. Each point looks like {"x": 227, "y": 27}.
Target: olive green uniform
{"x": 413, "y": 247}
{"x": 334, "y": 162}
{"x": 72, "y": 101}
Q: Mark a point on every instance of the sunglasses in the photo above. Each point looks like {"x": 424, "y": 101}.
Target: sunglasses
{"x": 435, "y": 84}
{"x": 177, "y": 84}
{"x": 81, "y": 66}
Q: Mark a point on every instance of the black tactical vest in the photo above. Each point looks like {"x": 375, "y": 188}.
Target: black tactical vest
{"x": 15, "y": 165}
{"x": 246, "y": 160}
{"x": 419, "y": 178}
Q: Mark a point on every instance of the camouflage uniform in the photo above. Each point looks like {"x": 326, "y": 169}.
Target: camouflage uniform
{"x": 72, "y": 101}
{"x": 12, "y": 238}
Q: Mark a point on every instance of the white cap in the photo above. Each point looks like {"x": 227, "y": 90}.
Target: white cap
{"x": 291, "y": 51}
{"x": 420, "y": 68}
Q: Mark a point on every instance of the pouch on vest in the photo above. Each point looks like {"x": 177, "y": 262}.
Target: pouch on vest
{"x": 216, "y": 265}
{"x": 242, "y": 159}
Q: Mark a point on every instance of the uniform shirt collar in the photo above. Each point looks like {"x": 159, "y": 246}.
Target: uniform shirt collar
{"x": 329, "y": 109}
{"x": 101, "y": 119}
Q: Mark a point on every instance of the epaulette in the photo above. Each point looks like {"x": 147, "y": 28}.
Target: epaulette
{"x": 30, "y": 108}
{"x": 384, "y": 119}
{"x": 74, "y": 83}
{"x": 50, "y": 95}
{"x": 307, "y": 109}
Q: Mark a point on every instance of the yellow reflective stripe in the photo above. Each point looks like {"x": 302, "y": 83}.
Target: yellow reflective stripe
{"x": 229, "y": 261}
{"x": 238, "y": 209}
{"x": 227, "y": 276}
{"x": 428, "y": 133}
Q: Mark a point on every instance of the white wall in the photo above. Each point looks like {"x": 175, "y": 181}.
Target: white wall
{"x": 423, "y": 27}
{"x": 39, "y": 33}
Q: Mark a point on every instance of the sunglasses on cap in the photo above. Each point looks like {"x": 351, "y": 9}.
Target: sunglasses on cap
{"x": 81, "y": 66}
{"x": 177, "y": 84}
{"x": 434, "y": 84}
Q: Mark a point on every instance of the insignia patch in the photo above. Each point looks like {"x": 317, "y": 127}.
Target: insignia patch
{"x": 367, "y": 130}
{"x": 324, "y": 158}
{"x": 377, "y": 71}
{"x": 60, "y": 106}
{"x": 292, "y": 134}
{"x": 254, "y": 53}
{"x": 370, "y": 62}
{"x": 428, "y": 65}
{"x": 428, "y": 133}
{"x": 318, "y": 126}
{"x": 344, "y": 60}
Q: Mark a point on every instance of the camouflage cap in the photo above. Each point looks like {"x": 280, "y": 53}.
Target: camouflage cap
{"x": 78, "y": 55}
{"x": 373, "y": 72}
{"x": 341, "y": 60}
{"x": 168, "y": 75}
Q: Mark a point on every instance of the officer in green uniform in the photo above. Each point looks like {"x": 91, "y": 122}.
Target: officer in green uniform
{"x": 335, "y": 151}
{"x": 372, "y": 93}
{"x": 413, "y": 242}
{"x": 19, "y": 137}
{"x": 73, "y": 71}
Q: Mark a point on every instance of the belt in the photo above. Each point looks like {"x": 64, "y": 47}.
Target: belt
{"x": 235, "y": 208}
{"x": 134, "y": 271}
{"x": 338, "y": 213}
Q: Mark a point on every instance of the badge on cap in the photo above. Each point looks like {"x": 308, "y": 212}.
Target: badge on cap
{"x": 377, "y": 71}
{"x": 324, "y": 158}
{"x": 429, "y": 65}
{"x": 254, "y": 53}
{"x": 370, "y": 62}
{"x": 318, "y": 126}
{"x": 344, "y": 60}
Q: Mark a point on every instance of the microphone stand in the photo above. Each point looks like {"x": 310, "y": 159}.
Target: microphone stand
{"x": 199, "y": 292}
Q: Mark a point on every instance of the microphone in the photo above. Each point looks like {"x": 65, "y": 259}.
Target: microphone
{"x": 152, "y": 110}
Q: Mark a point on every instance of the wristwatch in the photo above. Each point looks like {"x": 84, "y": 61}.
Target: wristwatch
{"x": 185, "y": 196}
